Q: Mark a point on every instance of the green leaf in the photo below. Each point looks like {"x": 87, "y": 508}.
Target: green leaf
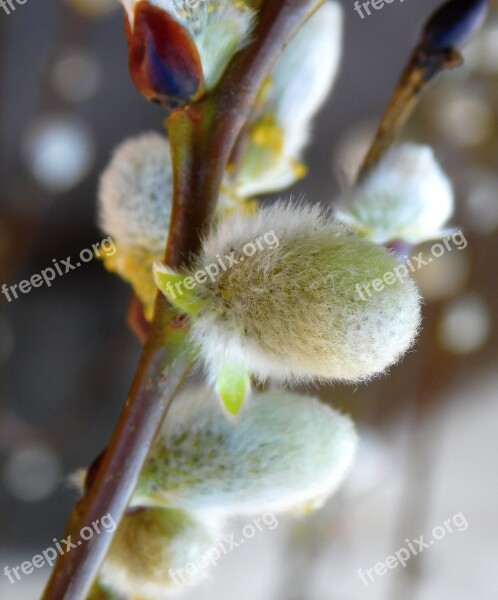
{"x": 232, "y": 384}
{"x": 179, "y": 289}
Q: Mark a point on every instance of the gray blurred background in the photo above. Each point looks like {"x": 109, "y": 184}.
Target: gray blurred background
{"x": 430, "y": 443}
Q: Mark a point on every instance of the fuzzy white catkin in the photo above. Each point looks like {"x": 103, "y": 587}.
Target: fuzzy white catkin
{"x": 134, "y": 205}
{"x": 294, "y": 312}
{"x": 297, "y": 86}
{"x": 135, "y": 193}
{"x": 134, "y": 209}
{"x": 286, "y": 452}
{"x": 303, "y": 76}
{"x": 406, "y": 197}
{"x": 151, "y": 548}
{"x": 218, "y": 28}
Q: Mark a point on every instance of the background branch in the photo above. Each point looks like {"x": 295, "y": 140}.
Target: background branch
{"x": 445, "y": 32}
{"x": 421, "y": 69}
{"x": 202, "y": 137}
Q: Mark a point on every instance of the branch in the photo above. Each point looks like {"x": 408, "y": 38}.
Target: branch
{"x": 419, "y": 72}
{"x": 446, "y": 31}
{"x": 160, "y": 372}
{"x": 202, "y": 137}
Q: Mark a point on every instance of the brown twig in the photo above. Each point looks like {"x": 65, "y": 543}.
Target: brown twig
{"x": 445, "y": 32}
{"x": 202, "y": 137}
{"x": 136, "y": 320}
{"x": 223, "y": 115}
{"x": 420, "y": 70}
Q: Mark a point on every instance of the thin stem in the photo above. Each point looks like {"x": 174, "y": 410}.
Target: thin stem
{"x": 160, "y": 372}
{"x": 202, "y": 137}
{"x": 136, "y": 319}
{"x": 420, "y": 70}
{"x": 447, "y": 30}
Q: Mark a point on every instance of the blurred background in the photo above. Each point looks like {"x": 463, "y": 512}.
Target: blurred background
{"x": 429, "y": 431}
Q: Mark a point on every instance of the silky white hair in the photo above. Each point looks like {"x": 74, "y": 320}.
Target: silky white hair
{"x": 407, "y": 196}
{"x": 297, "y": 87}
{"x": 135, "y": 193}
{"x": 293, "y": 312}
{"x": 150, "y": 547}
{"x": 285, "y": 452}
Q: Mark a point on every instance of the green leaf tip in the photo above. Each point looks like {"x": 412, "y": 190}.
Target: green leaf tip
{"x": 233, "y": 384}
{"x": 178, "y": 289}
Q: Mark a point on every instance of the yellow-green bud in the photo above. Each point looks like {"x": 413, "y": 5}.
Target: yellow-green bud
{"x": 148, "y": 550}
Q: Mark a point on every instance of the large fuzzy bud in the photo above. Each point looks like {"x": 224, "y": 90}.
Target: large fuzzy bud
{"x": 180, "y": 48}
{"x": 150, "y": 548}
{"x": 406, "y": 197}
{"x": 286, "y": 452}
{"x": 288, "y": 303}
{"x": 296, "y": 88}
{"x": 135, "y": 208}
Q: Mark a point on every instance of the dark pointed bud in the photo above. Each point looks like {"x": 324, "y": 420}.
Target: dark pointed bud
{"x": 164, "y": 62}
{"x": 452, "y": 25}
